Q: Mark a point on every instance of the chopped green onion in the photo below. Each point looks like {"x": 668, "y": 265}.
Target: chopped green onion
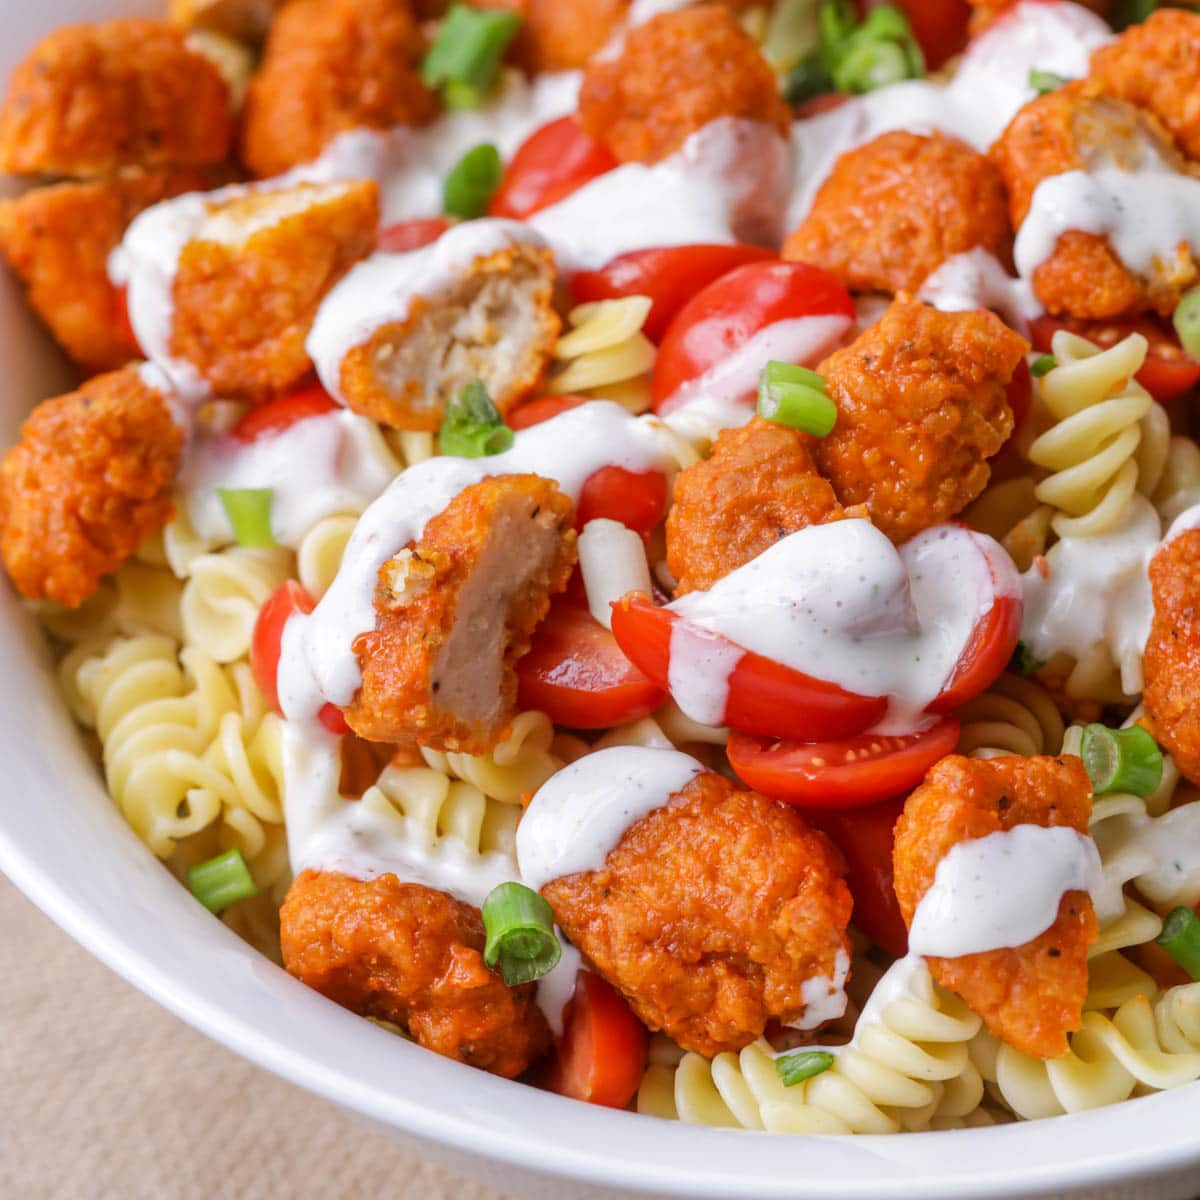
{"x": 793, "y": 33}
{"x": 472, "y": 181}
{"x": 1046, "y": 81}
{"x": 880, "y": 51}
{"x": 472, "y": 426}
{"x": 1187, "y": 321}
{"x": 1024, "y": 661}
{"x": 221, "y": 881}
{"x": 807, "y": 79}
{"x": 465, "y": 58}
{"x": 1121, "y": 760}
{"x": 520, "y": 934}
{"x": 249, "y": 512}
{"x": 1180, "y": 938}
{"x": 800, "y": 1065}
{"x": 1043, "y": 365}
{"x": 795, "y": 396}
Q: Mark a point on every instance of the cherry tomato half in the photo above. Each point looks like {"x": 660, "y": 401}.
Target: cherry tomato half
{"x": 844, "y": 773}
{"x": 670, "y": 276}
{"x": 577, "y": 674}
{"x": 266, "y": 644}
{"x": 728, "y": 313}
{"x": 411, "y": 235}
{"x": 282, "y": 412}
{"x": 534, "y": 412}
{"x": 1168, "y": 372}
{"x": 553, "y": 162}
{"x": 764, "y": 697}
{"x": 638, "y": 499}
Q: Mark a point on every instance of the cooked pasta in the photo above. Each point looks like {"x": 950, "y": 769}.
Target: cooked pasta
{"x": 606, "y": 353}
{"x": 1015, "y": 716}
{"x": 1179, "y": 487}
{"x": 320, "y": 553}
{"x": 139, "y": 598}
{"x": 1010, "y": 513}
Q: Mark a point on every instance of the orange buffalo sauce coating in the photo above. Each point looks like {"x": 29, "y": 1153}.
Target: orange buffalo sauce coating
{"x": 1030, "y": 996}
{"x": 408, "y": 954}
{"x": 710, "y": 914}
{"x": 88, "y": 482}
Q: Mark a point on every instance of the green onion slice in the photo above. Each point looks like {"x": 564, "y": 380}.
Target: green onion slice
{"x": 249, "y": 512}
{"x": 1180, "y": 938}
{"x": 472, "y": 426}
{"x": 1187, "y": 321}
{"x": 520, "y": 934}
{"x": 880, "y": 51}
{"x": 795, "y": 396}
{"x": 807, "y": 79}
{"x": 1046, "y": 81}
{"x": 469, "y": 187}
{"x": 1024, "y": 661}
{"x": 221, "y": 881}
{"x": 1043, "y": 365}
{"x": 800, "y": 1065}
{"x": 468, "y": 50}
{"x": 1121, "y": 760}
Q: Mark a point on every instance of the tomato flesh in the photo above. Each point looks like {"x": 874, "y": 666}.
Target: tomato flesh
{"x": 638, "y": 499}
{"x": 843, "y": 773}
{"x": 544, "y": 408}
{"x": 577, "y": 674}
{"x": 406, "y": 236}
{"x": 940, "y": 26}
{"x": 282, "y": 412}
{"x": 764, "y": 697}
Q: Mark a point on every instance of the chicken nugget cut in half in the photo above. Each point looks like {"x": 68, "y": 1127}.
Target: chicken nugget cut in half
{"x": 921, "y": 408}
{"x": 88, "y": 482}
{"x": 456, "y": 610}
{"x": 1031, "y": 995}
{"x": 92, "y": 99}
{"x": 405, "y": 332}
{"x": 408, "y": 954}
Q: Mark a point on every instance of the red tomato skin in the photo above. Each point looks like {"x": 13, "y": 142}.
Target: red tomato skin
{"x": 638, "y": 499}
{"x": 865, "y": 837}
{"x": 553, "y": 162}
{"x": 543, "y": 408}
{"x": 670, "y": 276}
{"x": 1019, "y": 395}
{"x": 765, "y": 698}
{"x": 727, "y": 313}
{"x": 601, "y": 1056}
{"x": 406, "y": 236}
{"x": 940, "y": 26}
{"x": 282, "y": 412}
{"x": 1168, "y": 372}
{"x": 810, "y": 775}
{"x": 577, "y": 674}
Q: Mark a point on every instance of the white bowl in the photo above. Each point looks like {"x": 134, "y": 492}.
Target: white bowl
{"x": 65, "y": 846}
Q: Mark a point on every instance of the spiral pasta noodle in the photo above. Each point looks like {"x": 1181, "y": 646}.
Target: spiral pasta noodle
{"x": 321, "y": 550}
{"x": 1179, "y": 488}
{"x": 606, "y": 353}
{"x": 1010, "y": 513}
{"x": 1014, "y": 716}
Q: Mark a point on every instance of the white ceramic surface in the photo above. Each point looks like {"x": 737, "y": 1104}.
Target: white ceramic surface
{"x": 62, "y": 842}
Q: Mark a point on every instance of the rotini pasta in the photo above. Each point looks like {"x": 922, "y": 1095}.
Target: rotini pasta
{"x": 1179, "y": 487}
{"x": 1014, "y": 716}
{"x": 320, "y": 553}
{"x": 1010, "y": 513}
{"x": 606, "y": 353}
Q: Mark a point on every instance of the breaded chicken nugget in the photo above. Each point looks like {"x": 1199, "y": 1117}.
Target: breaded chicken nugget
{"x": 759, "y": 484}
{"x": 457, "y": 610}
{"x": 678, "y": 72}
{"x": 1172, "y": 657}
{"x": 711, "y": 914}
{"x": 1156, "y": 65}
{"x": 86, "y": 485}
{"x": 414, "y": 956}
{"x": 892, "y": 211}
{"x": 249, "y": 282}
{"x": 1031, "y": 996}
{"x": 58, "y": 239}
{"x": 921, "y": 408}
{"x": 561, "y": 37}
{"x": 494, "y": 322}
{"x": 1072, "y": 129}
{"x": 330, "y": 66}
{"x": 93, "y": 98}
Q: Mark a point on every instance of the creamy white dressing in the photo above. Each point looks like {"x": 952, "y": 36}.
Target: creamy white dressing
{"x": 1159, "y": 855}
{"x": 976, "y": 280}
{"x": 1002, "y": 890}
{"x": 724, "y": 395}
{"x": 700, "y": 666}
{"x": 727, "y": 183}
{"x": 824, "y": 996}
{"x": 555, "y": 989}
{"x": 1188, "y": 519}
{"x": 381, "y": 290}
{"x": 578, "y": 816}
{"x": 334, "y": 463}
{"x": 840, "y": 603}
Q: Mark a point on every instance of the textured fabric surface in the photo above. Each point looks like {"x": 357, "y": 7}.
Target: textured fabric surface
{"x": 104, "y": 1094}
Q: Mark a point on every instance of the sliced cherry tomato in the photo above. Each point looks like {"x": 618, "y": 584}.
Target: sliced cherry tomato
{"x": 534, "y": 412}
{"x": 1019, "y": 395}
{"x": 845, "y": 773}
{"x": 865, "y": 837}
{"x": 577, "y": 674}
{"x": 638, "y": 499}
{"x": 282, "y": 412}
{"x": 728, "y": 313}
{"x": 670, "y": 277}
{"x": 1168, "y": 372}
{"x": 601, "y": 1056}
{"x": 411, "y": 235}
{"x": 940, "y": 26}
{"x": 265, "y": 646}
{"x": 764, "y": 697}
{"x": 552, "y": 163}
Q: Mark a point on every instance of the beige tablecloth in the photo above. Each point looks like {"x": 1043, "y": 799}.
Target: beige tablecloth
{"x": 103, "y": 1094}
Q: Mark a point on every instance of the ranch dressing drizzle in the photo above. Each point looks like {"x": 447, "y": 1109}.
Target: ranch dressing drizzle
{"x": 975, "y": 280}
{"x": 1159, "y": 855}
{"x": 1002, "y": 890}
{"x": 580, "y": 814}
{"x": 345, "y": 465}
{"x": 824, "y": 996}
{"x": 841, "y": 603}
